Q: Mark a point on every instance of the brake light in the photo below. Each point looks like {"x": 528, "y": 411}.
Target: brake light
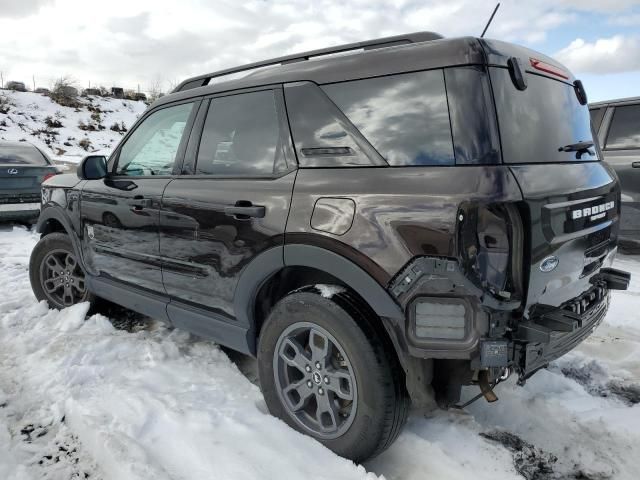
{"x": 548, "y": 68}
{"x": 489, "y": 239}
{"x": 48, "y": 176}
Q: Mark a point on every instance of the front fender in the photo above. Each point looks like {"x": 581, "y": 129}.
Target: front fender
{"x": 54, "y": 213}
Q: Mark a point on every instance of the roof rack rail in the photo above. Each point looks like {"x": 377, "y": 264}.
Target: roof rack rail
{"x": 201, "y": 80}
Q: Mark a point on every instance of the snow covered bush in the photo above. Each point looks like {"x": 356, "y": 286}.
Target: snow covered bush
{"x": 52, "y": 122}
{"x": 119, "y": 127}
{"x": 5, "y": 104}
{"x": 65, "y": 93}
{"x": 85, "y": 144}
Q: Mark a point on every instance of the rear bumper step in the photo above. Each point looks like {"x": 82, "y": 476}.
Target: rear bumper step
{"x": 615, "y": 279}
{"x": 551, "y": 332}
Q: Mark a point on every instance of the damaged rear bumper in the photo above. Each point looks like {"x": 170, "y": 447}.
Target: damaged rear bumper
{"x": 552, "y": 332}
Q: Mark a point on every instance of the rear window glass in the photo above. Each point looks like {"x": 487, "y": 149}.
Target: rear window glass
{"x": 536, "y": 123}
{"x": 405, "y": 117}
{"x": 625, "y": 128}
{"x": 21, "y": 155}
{"x": 241, "y": 136}
{"x": 596, "y": 117}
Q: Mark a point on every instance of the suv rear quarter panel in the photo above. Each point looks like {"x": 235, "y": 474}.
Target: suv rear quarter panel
{"x": 399, "y": 213}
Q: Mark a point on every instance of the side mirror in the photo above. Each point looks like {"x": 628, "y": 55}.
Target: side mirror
{"x": 93, "y": 167}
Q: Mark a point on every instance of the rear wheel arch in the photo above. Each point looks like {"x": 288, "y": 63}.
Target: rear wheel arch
{"x": 281, "y": 270}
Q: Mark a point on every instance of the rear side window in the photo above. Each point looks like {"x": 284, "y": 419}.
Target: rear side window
{"x": 21, "y": 155}
{"x": 241, "y": 136}
{"x": 596, "y": 117}
{"x": 405, "y": 117}
{"x": 624, "y": 132}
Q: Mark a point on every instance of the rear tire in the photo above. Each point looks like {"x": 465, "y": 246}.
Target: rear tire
{"x": 317, "y": 354}
{"x": 55, "y": 273}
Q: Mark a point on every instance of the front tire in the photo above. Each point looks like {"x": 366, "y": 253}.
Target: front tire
{"x": 55, "y": 273}
{"x": 325, "y": 371}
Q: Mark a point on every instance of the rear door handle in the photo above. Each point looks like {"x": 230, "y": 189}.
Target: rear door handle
{"x": 243, "y": 210}
{"x": 635, "y": 165}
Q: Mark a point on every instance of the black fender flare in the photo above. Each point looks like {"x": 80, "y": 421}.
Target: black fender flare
{"x": 347, "y": 271}
{"x": 266, "y": 264}
{"x": 55, "y": 212}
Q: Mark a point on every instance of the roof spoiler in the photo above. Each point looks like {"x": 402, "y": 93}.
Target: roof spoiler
{"x": 417, "y": 37}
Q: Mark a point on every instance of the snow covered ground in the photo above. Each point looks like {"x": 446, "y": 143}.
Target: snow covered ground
{"x": 66, "y": 134}
{"x": 127, "y": 398}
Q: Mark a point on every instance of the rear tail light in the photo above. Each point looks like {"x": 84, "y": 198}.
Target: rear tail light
{"x": 48, "y": 176}
{"x": 489, "y": 247}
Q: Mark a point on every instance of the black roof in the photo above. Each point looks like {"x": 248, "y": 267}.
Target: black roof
{"x": 384, "y": 56}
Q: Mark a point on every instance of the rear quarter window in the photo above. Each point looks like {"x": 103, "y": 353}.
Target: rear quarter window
{"x": 323, "y": 137}
{"x": 596, "y": 117}
{"x": 473, "y": 118}
{"x": 624, "y": 132}
{"x": 405, "y": 117}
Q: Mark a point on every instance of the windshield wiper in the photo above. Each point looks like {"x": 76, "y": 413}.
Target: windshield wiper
{"x": 578, "y": 147}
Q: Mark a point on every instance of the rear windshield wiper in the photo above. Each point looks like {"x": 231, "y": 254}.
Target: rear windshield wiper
{"x": 578, "y": 147}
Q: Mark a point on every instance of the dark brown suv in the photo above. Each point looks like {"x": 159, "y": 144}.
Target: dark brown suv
{"x": 378, "y": 223}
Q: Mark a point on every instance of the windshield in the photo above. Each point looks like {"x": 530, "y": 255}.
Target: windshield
{"x": 21, "y": 155}
{"x": 544, "y": 123}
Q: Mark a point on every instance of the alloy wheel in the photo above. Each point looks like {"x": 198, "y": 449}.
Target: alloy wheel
{"x": 62, "y": 278}
{"x": 315, "y": 380}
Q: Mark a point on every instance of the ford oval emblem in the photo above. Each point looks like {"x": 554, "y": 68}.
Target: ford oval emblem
{"x": 549, "y": 264}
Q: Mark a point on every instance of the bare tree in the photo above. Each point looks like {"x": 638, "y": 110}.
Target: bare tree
{"x": 172, "y": 85}
{"x": 154, "y": 90}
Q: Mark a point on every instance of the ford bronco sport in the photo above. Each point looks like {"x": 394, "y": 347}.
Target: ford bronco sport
{"x": 378, "y": 227}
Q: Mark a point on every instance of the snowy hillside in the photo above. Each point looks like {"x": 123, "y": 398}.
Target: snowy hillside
{"x": 125, "y": 398}
{"x": 66, "y": 133}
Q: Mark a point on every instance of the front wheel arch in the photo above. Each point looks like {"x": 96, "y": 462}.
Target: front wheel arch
{"x": 52, "y": 219}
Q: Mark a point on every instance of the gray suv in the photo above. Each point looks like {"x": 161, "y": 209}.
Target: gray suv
{"x": 617, "y": 124}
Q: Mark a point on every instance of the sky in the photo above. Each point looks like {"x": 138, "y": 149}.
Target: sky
{"x": 146, "y": 43}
